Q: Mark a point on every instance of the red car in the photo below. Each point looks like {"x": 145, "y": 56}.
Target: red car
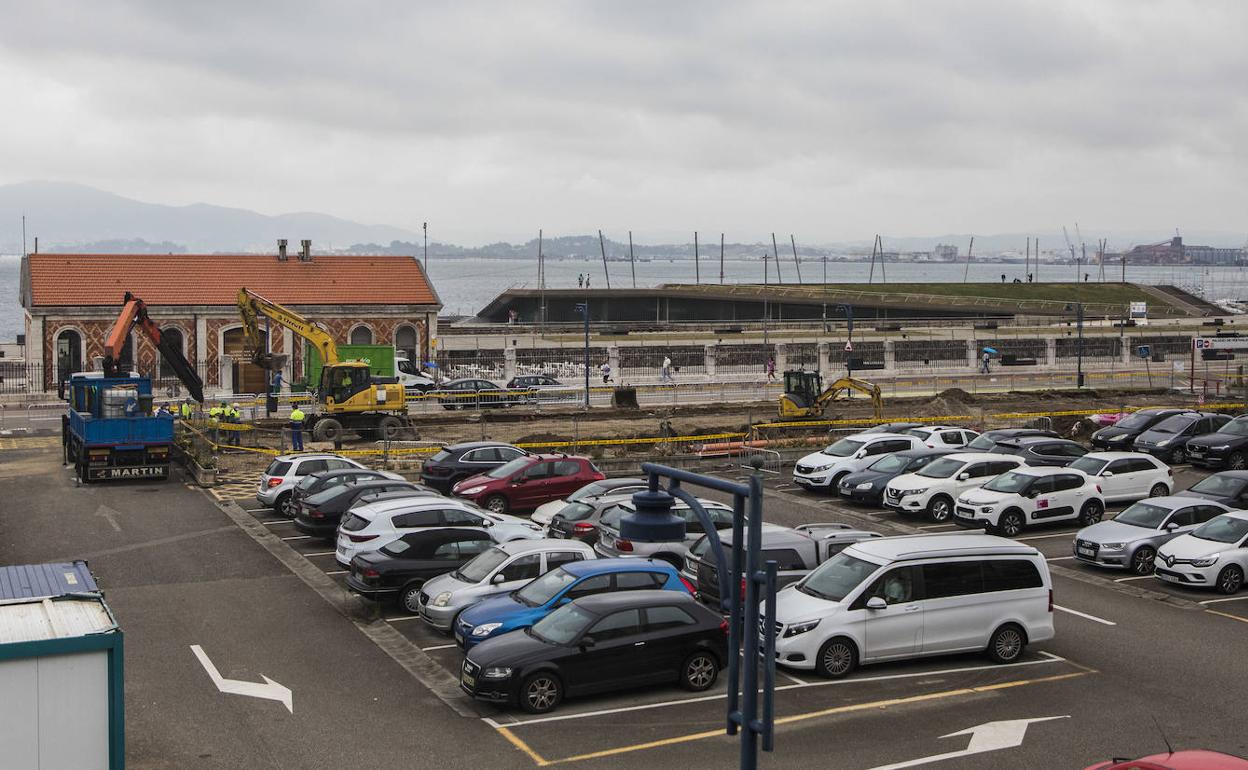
{"x": 1179, "y": 760}
{"x": 526, "y": 482}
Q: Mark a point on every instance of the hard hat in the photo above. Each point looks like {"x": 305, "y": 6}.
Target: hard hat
{"x": 234, "y": 404}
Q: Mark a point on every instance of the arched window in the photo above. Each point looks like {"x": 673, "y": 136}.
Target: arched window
{"x": 68, "y": 354}
{"x": 407, "y": 341}
{"x": 172, "y": 336}
{"x": 361, "y": 335}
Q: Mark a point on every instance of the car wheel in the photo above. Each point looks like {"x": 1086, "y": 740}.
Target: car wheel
{"x": 837, "y": 658}
{"x": 835, "y": 486}
{"x": 540, "y": 693}
{"x": 282, "y": 505}
{"x": 389, "y": 427}
{"x": 1010, "y": 523}
{"x": 1007, "y": 644}
{"x": 1230, "y": 579}
{"x": 496, "y": 504}
{"x": 700, "y": 671}
{"x": 328, "y": 429}
{"x": 939, "y": 509}
{"x": 1091, "y": 513}
{"x": 1236, "y": 461}
{"x": 409, "y": 598}
{"x": 1159, "y": 490}
{"x": 1177, "y": 456}
{"x": 1142, "y": 560}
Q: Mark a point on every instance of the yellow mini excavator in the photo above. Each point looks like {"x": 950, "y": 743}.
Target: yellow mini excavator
{"x": 804, "y": 395}
{"x": 348, "y": 395}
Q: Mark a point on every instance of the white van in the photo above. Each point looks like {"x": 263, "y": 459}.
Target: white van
{"x": 906, "y": 597}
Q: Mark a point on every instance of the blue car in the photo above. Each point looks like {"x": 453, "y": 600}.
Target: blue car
{"x": 526, "y": 606}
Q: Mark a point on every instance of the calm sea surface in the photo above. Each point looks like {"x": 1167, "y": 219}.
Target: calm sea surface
{"x": 467, "y": 285}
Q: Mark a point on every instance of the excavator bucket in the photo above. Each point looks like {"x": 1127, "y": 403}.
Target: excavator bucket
{"x": 270, "y": 361}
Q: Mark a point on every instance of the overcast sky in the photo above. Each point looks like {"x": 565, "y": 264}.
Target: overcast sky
{"x": 490, "y": 120}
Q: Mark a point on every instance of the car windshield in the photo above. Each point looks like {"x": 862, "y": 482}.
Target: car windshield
{"x": 942, "y": 468}
{"x": 982, "y": 443}
{"x": 441, "y": 455}
{"x": 1222, "y": 486}
{"x": 1223, "y": 529}
{"x": 480, "y": 567}
{"x": 589, "y": 490}
{"x": 843, "y": 448}
{"x": 611, "y": 517}
{"x": 1009, "y": 482}
{"x": 891, "y": 463}
{"x": 699, "y": 548}
{"x": 306, "y": 482}
{"x": 1234, "y": 428}
{"x": 397, "y": 548}
{"x": 1143, "y": 514}
{"x": 1175, "y": 424}
{"x": 576, "y": 511}
{"x": 1137, "y": 421}
{"x": 836, "y": 577}
{"x": 563, "y": 625}
{"x": 1089, "y": 465}
{"x": 544, "y": 588}
{"x": 508, "y": 469}
{"x": 355, "y": 523}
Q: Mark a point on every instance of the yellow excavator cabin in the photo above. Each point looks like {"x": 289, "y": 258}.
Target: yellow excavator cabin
{"x": 805, "y": 396}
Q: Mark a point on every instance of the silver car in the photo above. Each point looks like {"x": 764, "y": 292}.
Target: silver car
{"x": 500, "y": 570}
{"x": 611, "y": 545}
{"x": 279, "y": 479}
{"x": 1131, "y": 539}
{"x": 546, "y": 511}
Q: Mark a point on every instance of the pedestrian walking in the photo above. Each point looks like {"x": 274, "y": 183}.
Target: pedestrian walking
{"x": 587, "y": 280}
{"x": 296, "y": 429}
{"x": 771, "y": 369}
{"x": 580, "y": 280}
{"x": 984, "y": 368}
{"x": 606, "y": 371}
{"x": 665, "y": 371}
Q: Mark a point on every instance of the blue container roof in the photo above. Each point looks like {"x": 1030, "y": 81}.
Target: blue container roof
{"x": 37, "y": 581}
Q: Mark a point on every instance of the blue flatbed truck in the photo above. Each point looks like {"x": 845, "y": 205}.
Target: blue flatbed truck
{"x": 110, "y": 431}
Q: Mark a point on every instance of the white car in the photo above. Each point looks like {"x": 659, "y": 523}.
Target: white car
{"x": 279, "y": 479}
{"x": 943, "y": 436}
{"x": 1213, "y": 555}
{"x": 1126, "y": 476}
{"x": 601, "y": 488}
{"x": 904, "y": 597}
{"x": 1131, "y": 539}
{"x": 824, "y": 469}
{"x": 1030, "y": 495}
{"x": 369, "y": 527}
{"x": 933, "y": 489}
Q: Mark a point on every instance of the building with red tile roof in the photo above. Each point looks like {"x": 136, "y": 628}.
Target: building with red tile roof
{"x": 71, "y": 301}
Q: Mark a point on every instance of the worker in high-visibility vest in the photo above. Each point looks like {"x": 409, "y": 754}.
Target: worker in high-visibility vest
{"x": 296, "y": 429}
{"x": 235, "y": 415}
{"x": 216, "y": 412}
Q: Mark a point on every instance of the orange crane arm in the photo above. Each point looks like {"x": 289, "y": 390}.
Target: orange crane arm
{"x": 134, "y": 313}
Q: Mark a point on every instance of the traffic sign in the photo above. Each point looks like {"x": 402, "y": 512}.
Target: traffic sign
{"x": 1220, "y": 343}
{"x": 849, "y": 347}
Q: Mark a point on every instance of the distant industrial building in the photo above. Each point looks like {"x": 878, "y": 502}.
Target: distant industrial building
{"x": 1175, "y": 252}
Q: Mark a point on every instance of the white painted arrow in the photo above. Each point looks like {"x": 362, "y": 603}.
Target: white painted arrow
{"x": 270, "y": 690}
{"x": 990, "y": 736}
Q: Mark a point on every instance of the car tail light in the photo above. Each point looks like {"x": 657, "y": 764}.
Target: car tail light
{"x": 723, "y": 626}
{"x": 369, "y": 572}
{"x": 743, "y": 589}
{"x": 1050, "y": 600}
{"x": 361, "y": 538}
{"x": 689, "y": 586}
{"x": 316, "y": 515}
{"x": 623, "y": 545}
{"x": 273, "y": 482}
{"x": 583, "y": 528}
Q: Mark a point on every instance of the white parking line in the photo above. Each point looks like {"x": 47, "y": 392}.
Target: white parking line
{"x": 277, "y": 521}
{"x": 1085, "y": 616}
{"x": 337, "y": 572}
{"x": 298, "y": 537}
{"x": 1048, "y": 658}
{"x": 939, "y": 526}
{"x": 1227, "y": 599}
{"x": 788, "y": 676}
{"x": 1042, "y": 537}
{"x": 438, "y": 647}
{"x": 1133, "y": 577}
{"x": 321, "y": 553}
{"x": 401, "y": 618}
{"x": 1059, "y": 558}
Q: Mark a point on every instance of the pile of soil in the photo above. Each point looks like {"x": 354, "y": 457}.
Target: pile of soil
{"x": 953, "y": 401}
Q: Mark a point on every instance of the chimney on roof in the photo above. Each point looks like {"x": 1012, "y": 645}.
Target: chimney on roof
{"x": 281, "y": 249}
{"x": 305, "y": 250}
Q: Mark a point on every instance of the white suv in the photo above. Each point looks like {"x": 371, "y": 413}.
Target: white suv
{"x": 1030, "y": 495}
{"x": 279, "y": 479}
{"x": 905, "y": 597}
{"x": 824, "y": 469}
{"x": 933, "y": 489}
{"x": 1126, "y": 476}
{"x": 943, "y": 436}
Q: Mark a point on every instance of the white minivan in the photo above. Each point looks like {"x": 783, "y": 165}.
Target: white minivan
{"x": 904, "y": 597}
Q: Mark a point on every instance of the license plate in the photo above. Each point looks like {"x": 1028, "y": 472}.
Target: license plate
{"x": 1086, "y": 551}
{"x": 342, "y": 550}
{"x": 469, "y": 681}
{"x": 608, "y": 540}
{"x": 962, "y": 515}
{"x": 459, "y": 638}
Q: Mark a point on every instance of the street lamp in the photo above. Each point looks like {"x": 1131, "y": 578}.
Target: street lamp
{"x": 849, "y": 340}
{"x": 584, "y": 308}
{"x": 424, "y": 227}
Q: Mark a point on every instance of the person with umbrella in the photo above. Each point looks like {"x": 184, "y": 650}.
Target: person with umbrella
{"x": 984, "y": 367}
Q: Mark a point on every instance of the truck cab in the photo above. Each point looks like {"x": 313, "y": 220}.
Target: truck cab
{"x": 110, "y": 431}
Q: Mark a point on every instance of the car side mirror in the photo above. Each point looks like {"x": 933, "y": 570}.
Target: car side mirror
{"x": 963, "y": 476}
{"x": 563, "y": 601}
{"x": 1107, "y": 474}
{"x": 498, "y": 578}
{"x": 876, "y": 603}
{"x": 587, "y": 643}
{"x": 861, "y": 454}
{"x": 1031, "y": 493}
{"x": 1171, "y": 526}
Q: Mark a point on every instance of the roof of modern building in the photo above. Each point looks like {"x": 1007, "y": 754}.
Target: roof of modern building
{"x": 214, "y": 279}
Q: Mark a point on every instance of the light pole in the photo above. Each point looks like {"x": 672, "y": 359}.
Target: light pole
{"x": 584, "y": 308}
{"x": 849, "y": 339}
{"x": 765, "y": 291}
{"x": 424, "y": 227}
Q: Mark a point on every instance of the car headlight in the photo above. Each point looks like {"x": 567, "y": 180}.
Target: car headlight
{"x": 442, "y": 599}
{"x": 799, "y": 628}
{"x": 819, "y": 468}
{"x": 1112, "y": 546}
{"x": 472, "y": 490}
{"x": 865, "y": 485}
{"x": 919, "y": 491}
{"x": 485, "y": 629}
{"x": 1164, "y": 441}
{"x": 986, "y": 509}
{"x": 1120, "y": 437}
{"x": 496, "y": 672}
{"x": 1208, "y": 561}
{"x": 1222, "y": 448}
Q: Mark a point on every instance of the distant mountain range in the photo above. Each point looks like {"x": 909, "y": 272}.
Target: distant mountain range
{"x": 74, "y": 217}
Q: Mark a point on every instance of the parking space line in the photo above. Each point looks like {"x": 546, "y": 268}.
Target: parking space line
{"x": 402, "y": 617}
{"x": 337, "y": 572}
{"x": 1042, "y": 537}
{"x": 938, "y": 526}
{"x": 298, "y": 537}
{"x": 1228, "y": 615}
{"x": 1227, "y": 599}
{"x": 1059, "y": 558}
{"x": 1133, "y": 577}
{"x": 438, "y": 647}
{"x": 851, "y": 708}
{"x": 788, "y": 676}
{"x": 1048, "y": 658}
{"x": 1085, "y": 616}
{"x": 271, "y": 522}
{"x": 321, "y": 553}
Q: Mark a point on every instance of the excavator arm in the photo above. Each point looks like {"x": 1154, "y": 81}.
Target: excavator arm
{"x": 134, "y": 315}
{"x": 252, "y": 306}
{"x": 849, "y": 383}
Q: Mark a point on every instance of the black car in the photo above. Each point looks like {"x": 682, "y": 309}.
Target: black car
{"x": 608, "y": 641}
{"x": 320, "y": 513}
{"x": 403, "y": 566}
{"x": 1041, "y": 450}
{"x": 867, "y": 485}
{"x": 459, "y": 461}
{"x": 323, "y": 480}
{"x": 1167, "y": 440}
{"x": 539, "y": 387}
{"x": 985, "y": 441}
{"x": 1122, "y": 433}
{"x": 1228, "y": 487}
{"x": 470, "y": 393}
{"x": 1227, "y": 447}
